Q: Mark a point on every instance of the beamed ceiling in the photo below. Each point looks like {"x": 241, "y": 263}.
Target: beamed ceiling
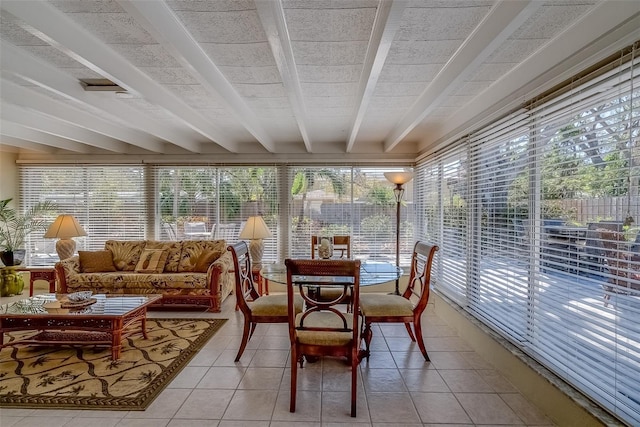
{"x": 283, "y": 79}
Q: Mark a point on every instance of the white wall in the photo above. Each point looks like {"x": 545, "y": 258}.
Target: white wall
{"x": 9, "y": 177}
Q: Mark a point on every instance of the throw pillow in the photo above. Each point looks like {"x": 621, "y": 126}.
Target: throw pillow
{"x": 152, "y": 261}
{"x": 205, "y": 259}
{"x": 96, "y": 261}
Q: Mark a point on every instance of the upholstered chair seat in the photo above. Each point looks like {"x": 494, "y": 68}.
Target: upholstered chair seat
{"x": 273, "y": 305}
{"x": 374, "y": 305}
{"x": 324, "y": 320}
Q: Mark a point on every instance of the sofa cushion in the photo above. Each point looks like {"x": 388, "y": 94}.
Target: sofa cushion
{"x": 152, "y": 261}
{"x": 174, "y": 250}
{"x": 192, "y": 251}
{"x": 126, "y": 253}
{"x": 206, "y": 258}
{"x": 96, "y": 261}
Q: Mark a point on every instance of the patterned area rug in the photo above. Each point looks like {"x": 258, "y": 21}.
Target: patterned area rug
{"x": 83, "y": 377}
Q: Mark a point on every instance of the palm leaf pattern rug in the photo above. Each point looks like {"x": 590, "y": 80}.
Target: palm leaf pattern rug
{"x": 84, "y": 377}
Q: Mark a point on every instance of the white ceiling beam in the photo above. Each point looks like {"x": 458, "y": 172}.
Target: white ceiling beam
{"x": 49, "y": 24}
{"x": 504, "y": 18}
{"x": 20, "y": 95}
{"x": 271, "y": 14}
{"x": 43, "y": 74}
{"x": 160, "y": 21}
{"x": 10, "y": 141}
{"x": 386, "y": 24}
{"x": 14, "y": 130}
{"x": 610, "y": 22}
{"x": 33, "y": 120}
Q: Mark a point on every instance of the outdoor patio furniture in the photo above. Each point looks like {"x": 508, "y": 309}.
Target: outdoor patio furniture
{"x": 624, "y": 270}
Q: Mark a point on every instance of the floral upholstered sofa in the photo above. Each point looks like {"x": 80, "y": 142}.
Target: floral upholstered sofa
{"x": 186, "y": 273}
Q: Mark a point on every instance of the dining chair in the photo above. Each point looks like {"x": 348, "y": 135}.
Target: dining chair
{"x": 341, "y": 245}
{"x": 406, "y": 308}
{"x": 624, "y": 271}
{"x": 255, "y": 308}
{"x": 321, "y": 329}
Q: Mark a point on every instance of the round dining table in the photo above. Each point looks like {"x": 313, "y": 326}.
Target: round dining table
{"x": 371, "y": 273}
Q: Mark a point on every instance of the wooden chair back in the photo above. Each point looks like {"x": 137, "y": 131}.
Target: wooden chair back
{"x": 341, "y": 244}
{"x": 321, "y": 329}
{"x": 245, "y": 290}
{"x": 417, "y": 290}
{"x": 406, "y": 308}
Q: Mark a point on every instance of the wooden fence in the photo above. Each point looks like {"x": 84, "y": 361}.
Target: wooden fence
{"x": 606, "y": 208}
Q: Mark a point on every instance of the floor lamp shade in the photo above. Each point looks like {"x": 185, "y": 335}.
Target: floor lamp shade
{"x": 65, "y": 228}
{"x": 399, "y": 179}
{"x": 255, "y": 230}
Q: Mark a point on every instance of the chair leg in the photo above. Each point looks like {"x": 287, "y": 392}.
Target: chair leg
{"x": 367, "y": 334}
{"x": 408, "y": 326}
{"x": 253, "y": 328}
{"x": 294, "y": 379}
{"x": 245, "y": 337}
{"x": 354, "y": 382}
{"x": 418, "y": 326}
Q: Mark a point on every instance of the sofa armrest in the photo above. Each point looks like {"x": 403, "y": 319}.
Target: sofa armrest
{"x": 64, "y": 269}
{"x": 221, "y": 279}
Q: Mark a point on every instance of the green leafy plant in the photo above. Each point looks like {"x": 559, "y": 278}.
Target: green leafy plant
{"x": 14, "y": 227}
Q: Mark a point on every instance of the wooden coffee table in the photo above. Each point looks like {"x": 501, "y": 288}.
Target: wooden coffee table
{"x": 103, "y": 323}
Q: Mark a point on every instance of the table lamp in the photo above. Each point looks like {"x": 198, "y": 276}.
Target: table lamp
{"x": 399, "y": 179}
{"x": 255, "y": 230}
{"x": 64, "y": 228}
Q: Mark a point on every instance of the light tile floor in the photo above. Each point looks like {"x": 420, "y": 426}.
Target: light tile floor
{"x": 396, "y": 386}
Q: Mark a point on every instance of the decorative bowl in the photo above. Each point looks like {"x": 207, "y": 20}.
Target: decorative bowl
{"x": 79, "y": 296}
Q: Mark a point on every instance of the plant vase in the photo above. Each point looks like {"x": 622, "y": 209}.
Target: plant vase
{"x": 12, "y": 258}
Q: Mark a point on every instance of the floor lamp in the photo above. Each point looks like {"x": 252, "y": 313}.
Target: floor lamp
{"x": 399, "y": 179}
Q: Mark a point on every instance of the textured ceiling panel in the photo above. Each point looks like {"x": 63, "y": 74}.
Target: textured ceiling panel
{"x": 447, "y": 23}
{"x": 248, "y": 55}
{"x": 331, "y": 25}
{"x": 224, "y": 27}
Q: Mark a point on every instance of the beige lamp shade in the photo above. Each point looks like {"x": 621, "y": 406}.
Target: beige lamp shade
{"x": 255, "y": 230}
{"x": 65, "y": 227}
{"x": 398, "y": 178}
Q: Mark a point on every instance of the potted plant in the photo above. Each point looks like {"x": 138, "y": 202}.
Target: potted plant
{"x": 14, "y": 228}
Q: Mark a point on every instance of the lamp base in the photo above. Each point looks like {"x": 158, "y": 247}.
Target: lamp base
{"x": 65, "y": 248}
{"x": 256, "y": 249}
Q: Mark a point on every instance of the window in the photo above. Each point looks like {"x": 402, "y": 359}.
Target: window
{"x": 524, "y": 205}
{"x": 108, "y": 201}
{"x": 355, "y": 201}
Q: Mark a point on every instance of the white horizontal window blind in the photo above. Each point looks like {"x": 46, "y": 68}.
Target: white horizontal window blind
{"x": 245, "y": 192}
{"x": 354, "y": 201}
{"x": 588, "y": 181}
{"x": 442, "y": 187}
{"x": 210, "y": 202}
{"x": 499, "y": 243}
{"x": 108, "y": 201}
{"x": 549, "y": 254}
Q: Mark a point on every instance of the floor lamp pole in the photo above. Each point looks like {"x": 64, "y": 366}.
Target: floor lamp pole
{"x": 398, "y": 197}
{"x": 399, "y": 179}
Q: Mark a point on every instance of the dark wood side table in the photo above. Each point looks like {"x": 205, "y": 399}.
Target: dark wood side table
{"x": 40, "y": 273}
